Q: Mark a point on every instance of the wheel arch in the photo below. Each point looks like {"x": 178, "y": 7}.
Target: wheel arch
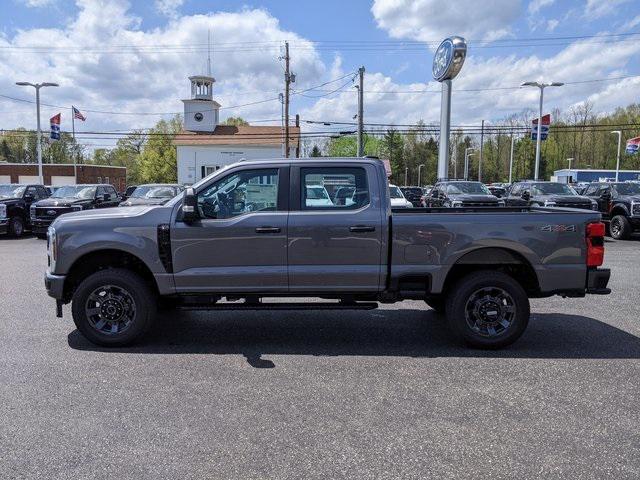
{"x": 102, "y": 259}
{"x": 500, "y": 259}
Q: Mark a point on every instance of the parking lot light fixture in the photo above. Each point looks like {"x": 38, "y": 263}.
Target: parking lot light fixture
{"x": 467, "y": 154}
{"x": 38, "y": 86}
{"x": 541, "y": 86}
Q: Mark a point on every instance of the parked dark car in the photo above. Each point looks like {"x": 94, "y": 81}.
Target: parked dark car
{"x": 619, "y": 203}
{"x": 413, "y": 194}
{"x": 461, "y": 193}
{"x": 15, "y": 201}
{"x": 497, "y": 190}
{"x": 71, "y": 198}
{"x": 547, "y": 194}
{"x": 152, "y": 194}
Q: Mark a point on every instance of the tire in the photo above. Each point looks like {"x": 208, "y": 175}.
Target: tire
{"x": 471, "y": 307}
{"x": 437, "y": 304}
{"x": 620, "y": 228}
{"x": 16, "y": 226}
{"x": 113, "y": 296}
{"x": 41, "y": 236}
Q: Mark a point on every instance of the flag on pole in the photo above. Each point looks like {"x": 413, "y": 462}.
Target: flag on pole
{"x": 77, "y": 114}
{"x": 544, "y": 128}
{"x": 55, "y": 127}
{"x": 633, "y": 146}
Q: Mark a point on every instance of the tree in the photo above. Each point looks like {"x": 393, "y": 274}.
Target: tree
{"x": 315, "y": 152}
{"x": 236, "y": 121}
{"x": 158, "y": 161}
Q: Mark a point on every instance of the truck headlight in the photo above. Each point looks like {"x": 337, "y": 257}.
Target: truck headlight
{"x": 32, "y": 212}
{"x": 52, "y": 246}
{"x": 456, "y": 204}
{"x": 635, "y": 209}
{"x": 76, "y": 208}
{"x": 594, "y": 205}
{"x": 549, "y": 204}
{"x": 501, "y": 203}
{"x": 3, "y": 210}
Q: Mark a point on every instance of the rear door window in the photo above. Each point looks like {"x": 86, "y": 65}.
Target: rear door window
{"x": 328, "y": 188}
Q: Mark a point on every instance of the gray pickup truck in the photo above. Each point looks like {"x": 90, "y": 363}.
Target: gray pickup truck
{"x": 317, "y": 228}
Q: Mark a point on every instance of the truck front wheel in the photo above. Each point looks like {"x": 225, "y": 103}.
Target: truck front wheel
{"x": 620, "y": 228}
{"x": 113, "y": 307}
{"x": 487, "y": 309}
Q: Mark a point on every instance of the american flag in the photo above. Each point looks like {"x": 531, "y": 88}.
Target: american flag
{"x": 77, "y": 114}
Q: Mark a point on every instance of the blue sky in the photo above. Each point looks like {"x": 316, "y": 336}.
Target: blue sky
{"x": 78, "y": 44}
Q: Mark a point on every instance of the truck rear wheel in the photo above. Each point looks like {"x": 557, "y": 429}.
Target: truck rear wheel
{"x": 487, "y": 309}
{"x": 16, "y": 226}
{"x": 113, "y": 307}
{"x": 620, "y": 228}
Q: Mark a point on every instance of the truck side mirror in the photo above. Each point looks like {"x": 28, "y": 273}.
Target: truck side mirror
{"x": 606, "y": 195}
{"x": 189, "y": 205}
{"x": 526, "y": 195}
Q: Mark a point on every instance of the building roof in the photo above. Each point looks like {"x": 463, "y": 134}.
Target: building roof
{"x": 239, "y": 135}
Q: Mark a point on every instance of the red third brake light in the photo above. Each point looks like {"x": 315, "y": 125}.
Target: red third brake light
{"x": 595, "y": 244}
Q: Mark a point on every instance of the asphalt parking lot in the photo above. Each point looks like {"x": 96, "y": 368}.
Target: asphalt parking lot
{"x": 373, "y": 394}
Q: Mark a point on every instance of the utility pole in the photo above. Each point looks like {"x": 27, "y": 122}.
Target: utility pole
{"x": 287, "y": 82}
{"x": 406, "y": 175}
{"x": 481, "y": 145}
{"x": 619, "y": 133}
{"x": 467, "y": 154}
{"x": 361, "y": 112}
{"x": 511, "y": 159}
{"x": 420, "y": 174}
{"x": 38, "y": 86}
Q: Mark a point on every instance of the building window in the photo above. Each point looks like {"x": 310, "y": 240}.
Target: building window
{"x": 99, "y": 179}
{"x": 106, "y": 179}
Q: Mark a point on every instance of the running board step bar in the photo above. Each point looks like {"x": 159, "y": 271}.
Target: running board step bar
{"x": 282, "y": 306}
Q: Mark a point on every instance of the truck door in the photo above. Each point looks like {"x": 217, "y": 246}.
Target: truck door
{"x": 239, "y": 242}
{"x": 334, "y": 245}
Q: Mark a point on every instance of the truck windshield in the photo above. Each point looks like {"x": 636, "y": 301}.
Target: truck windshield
{"x": 467, "y": 187}
{"x": 12, "y": 191}
{"x": 628, "y": 188}
{"x": 81, "y": 192}
{"x": 157, "y": 191}
{"x": 394, "y": 192}
{"x": 552, "y": 188}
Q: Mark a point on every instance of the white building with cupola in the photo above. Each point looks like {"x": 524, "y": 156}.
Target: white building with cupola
{"x": 205, "y": 145}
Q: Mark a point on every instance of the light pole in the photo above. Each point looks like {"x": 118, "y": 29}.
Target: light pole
{"x": 467, "y": 154}
{"x": 570, "y": 160}
{"x": 511, "y": 159}
{"x": 618, "y": 157}
{"x": 38, "y": 86}
{"x": 541, "y": 86}
{"x": 420, "y": 173}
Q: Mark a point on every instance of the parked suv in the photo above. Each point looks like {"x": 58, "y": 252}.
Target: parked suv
{"x": 152, "y": 194}
{"x": 461, "y": 193}
{"x": 15, "y": 201}
{"x": 547, "y": 194}
{"x": 619, "y": 203}
{"x": 71, "y": 198}
{"x": 413, "y": 194}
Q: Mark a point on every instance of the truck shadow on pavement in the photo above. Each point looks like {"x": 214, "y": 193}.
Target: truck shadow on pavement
{"x": 402, "y": 333}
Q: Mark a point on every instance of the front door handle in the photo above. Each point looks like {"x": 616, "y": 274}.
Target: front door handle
{"x": 267, "y": 230}
{"x": 362, "y": 228}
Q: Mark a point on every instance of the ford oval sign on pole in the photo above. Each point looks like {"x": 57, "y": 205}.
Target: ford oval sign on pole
{"x": 447, "y": 63}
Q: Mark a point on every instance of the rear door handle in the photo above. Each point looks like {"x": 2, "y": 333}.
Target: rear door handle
{"x": 362, "y": 228}
{"x": 267, "y": 230}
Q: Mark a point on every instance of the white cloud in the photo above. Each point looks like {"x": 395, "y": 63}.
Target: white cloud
{"x": 169, "y": 8}
{"x": 552, "y": 24}
{"x": 434, "y": 19}
{"x": 536, "y": 5}
{"x": 599, "y": 8}
{"x": 37, "y": 3}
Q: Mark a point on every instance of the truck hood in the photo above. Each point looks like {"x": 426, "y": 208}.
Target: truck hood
{"x": 61, "y": 202}
{"x": 474, "y": 198}
{"x": 144, "y": 201}
{"x": 9, "y": 201}
{"x": 565, "y": 198}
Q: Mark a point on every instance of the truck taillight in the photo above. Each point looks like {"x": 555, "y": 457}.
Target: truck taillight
{"x": 595, "y": 244}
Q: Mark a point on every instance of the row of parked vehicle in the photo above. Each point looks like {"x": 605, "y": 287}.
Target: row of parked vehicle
{"x": 33, "y": 207}
{"x": 618, "y": 202}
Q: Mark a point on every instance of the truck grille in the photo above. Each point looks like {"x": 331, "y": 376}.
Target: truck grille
{"x": 47, "y": 213}
{"x": 584, "y": 206}
{"x": 479, "y": 204}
